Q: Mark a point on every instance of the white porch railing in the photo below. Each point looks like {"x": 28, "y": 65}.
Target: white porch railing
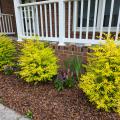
{"x": 68, "y": 21}
{"x": 6, "y": 24}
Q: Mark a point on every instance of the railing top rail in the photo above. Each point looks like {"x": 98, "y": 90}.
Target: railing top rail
{"x": 70, "y": 0}
{"x": 38, "y": 3}
{"x": 6, "y": 14}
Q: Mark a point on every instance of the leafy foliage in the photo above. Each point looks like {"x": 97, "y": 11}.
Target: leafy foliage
{"x": 7, "y": 52}
{"x": 8, "y": 70}
{"x": 68, "y": 77}
{"x": 69, "y": 83}
{"x": 29, "y": 114}
{"x": 63, "y": 81}
{"x": 59, "y": 84}
{"x": 37, "y": 62}
{"x": 73, "y": 66}
{"x": 101, "y": 83}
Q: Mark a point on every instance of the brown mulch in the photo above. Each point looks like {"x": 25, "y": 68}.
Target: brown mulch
{"x": 48, "y": 104}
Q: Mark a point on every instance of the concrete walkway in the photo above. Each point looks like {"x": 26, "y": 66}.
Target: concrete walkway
{"x": 8, "y": 114}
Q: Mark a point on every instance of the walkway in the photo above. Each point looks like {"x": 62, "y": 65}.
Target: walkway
{"x": 8, "y": 114}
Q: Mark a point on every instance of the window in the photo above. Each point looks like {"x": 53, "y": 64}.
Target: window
{"x": 27, "y": 1}
{"x": 92, "y": 9}
{"x": 115, "y": 13}
{"x": 99, "y": 9}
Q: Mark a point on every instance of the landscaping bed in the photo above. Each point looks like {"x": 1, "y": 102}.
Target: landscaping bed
{"x": 46, "y": 103}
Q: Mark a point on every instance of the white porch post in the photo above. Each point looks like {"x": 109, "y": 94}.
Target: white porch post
{"x": 61, "y": 23}
{"x": 18, "y": 19}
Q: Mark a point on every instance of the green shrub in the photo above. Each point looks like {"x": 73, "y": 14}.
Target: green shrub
{"x": 7, "y": 52}
{"x": 101, "y": 83}
{"x": 37, "y": 62}
{"x": 69, "y": 83}
{"x": 59, "y": 84}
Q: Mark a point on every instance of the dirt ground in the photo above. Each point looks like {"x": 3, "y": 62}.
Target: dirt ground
{"x": 48, "y": 104}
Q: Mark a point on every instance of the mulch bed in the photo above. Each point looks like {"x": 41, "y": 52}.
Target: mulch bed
{"x": 48, "y": 104}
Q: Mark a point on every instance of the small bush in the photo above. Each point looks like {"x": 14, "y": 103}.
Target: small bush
{"x": 7, "y": 52}
{"x": 59, "y": 84}
{"x": 101, "y": 83}
{"x": 37, "y": 62}
{"x": 69, "y": 83}
{"x": 67, "y": 78}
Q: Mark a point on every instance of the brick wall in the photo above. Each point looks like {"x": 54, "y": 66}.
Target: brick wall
{"x": 65, "y": 52}
{"x": 7, "y": 6}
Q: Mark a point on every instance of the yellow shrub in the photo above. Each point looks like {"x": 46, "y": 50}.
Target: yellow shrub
{"x": 7, "y": 52}
{"x": 37, "y": 62}
{"x": 101, "y": 83}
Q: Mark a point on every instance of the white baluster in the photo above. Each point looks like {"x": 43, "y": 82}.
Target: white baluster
{"x": 55, "y": 19}
{"x": 6, "y": 24}
{"x": 75, "y": 18}
{"x": 26, "y": 24}
{"x": 11, "y": 24}
{"x": 33, "y": 19}
{"x": 95, "y": 16}
{"x": 111, "y": 14}
{"x": 23, "y": 31}
{"x": 118, "y": 26}
{"x": 3, "y": 23}
{"x": 50, "y": 16}
{"x": 69, "y": 18}
{"x": 102, "y": 19}
{"x": 0, "y": 21}
{"x": 46, "y": 21}
{"x": 81, "y": 19}
{"x": 37, "y": 20}
{"x": 41, "y": 16}
{"x": 29, "y": 18}
{"x": 88, "y": 18}
{"x": 1, "y": 29}
{"x": 8, "y": 18}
